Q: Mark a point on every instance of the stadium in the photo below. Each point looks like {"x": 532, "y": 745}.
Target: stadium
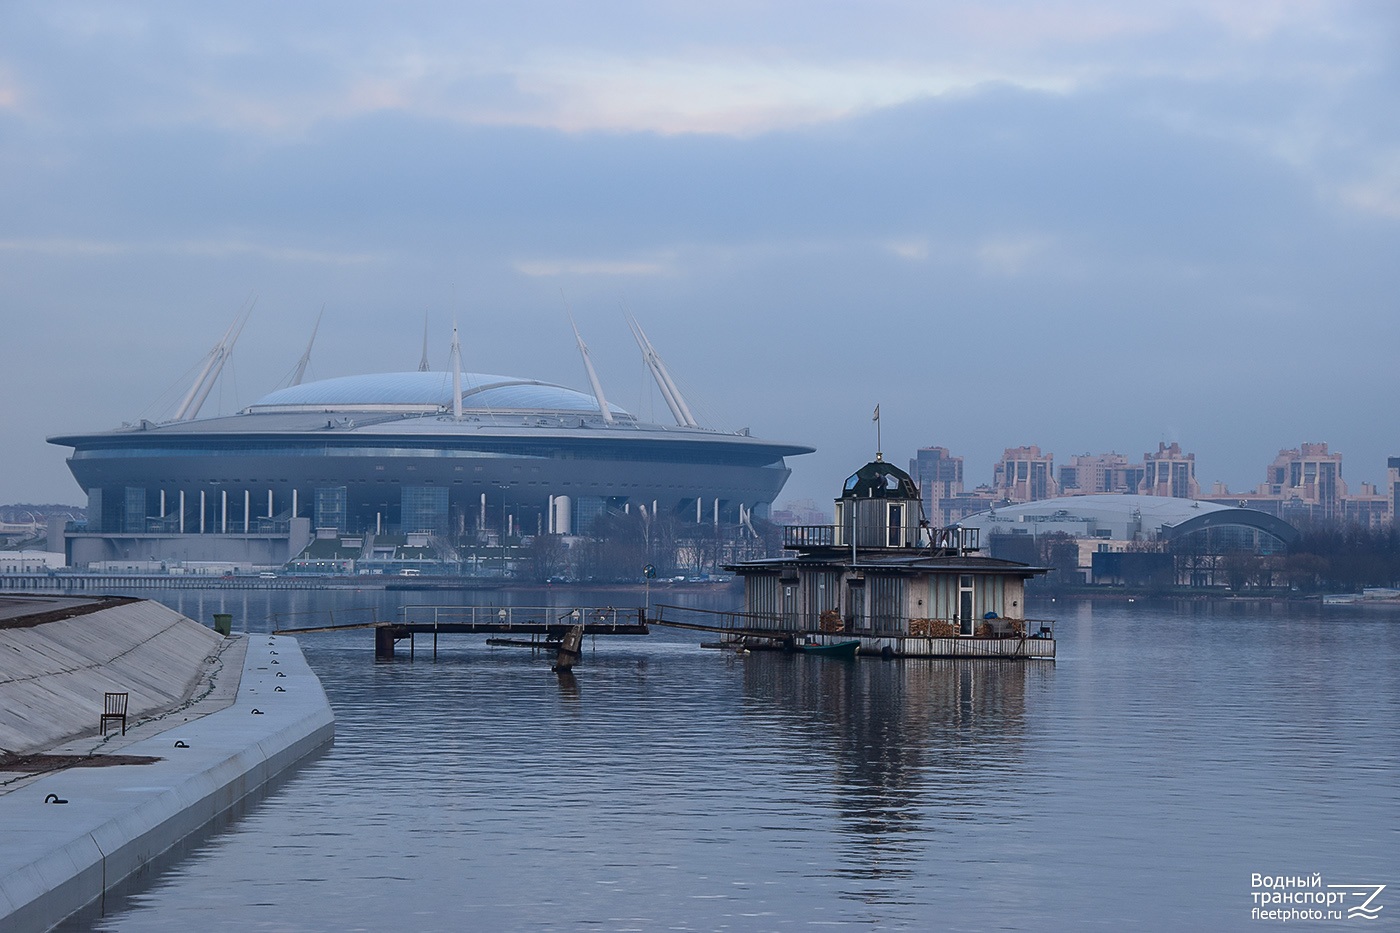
{"x": 450, "y": 456}
{"x": 1135, "y": 539}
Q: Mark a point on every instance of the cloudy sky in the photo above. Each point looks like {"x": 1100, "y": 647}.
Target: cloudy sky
{"x": 1085, "y": 225}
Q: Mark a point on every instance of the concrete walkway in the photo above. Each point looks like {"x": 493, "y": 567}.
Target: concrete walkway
{"x": 226, "y": 739}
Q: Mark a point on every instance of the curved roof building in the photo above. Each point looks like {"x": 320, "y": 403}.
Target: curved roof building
{"x": 1133, "y": 517}
{"x": 409, "y": 452}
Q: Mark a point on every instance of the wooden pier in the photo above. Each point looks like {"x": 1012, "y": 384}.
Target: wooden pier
{"x": 543, "y": 627}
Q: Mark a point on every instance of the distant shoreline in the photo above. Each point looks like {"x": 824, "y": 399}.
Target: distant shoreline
{"x": 84, "y": 583}
{"x": 92, "y": 582}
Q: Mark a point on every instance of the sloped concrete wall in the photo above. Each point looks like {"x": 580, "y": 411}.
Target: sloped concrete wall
{"x": 53, "y": 676}
{"x": 57, "y": 858}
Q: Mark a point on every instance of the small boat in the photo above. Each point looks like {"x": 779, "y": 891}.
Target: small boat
{"x": 840, "y": 649}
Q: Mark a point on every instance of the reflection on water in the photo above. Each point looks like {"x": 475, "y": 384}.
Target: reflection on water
{"x": 902, "y": 747}
{"x": 1138, "y": 782}
{"x": 568, "y": 685}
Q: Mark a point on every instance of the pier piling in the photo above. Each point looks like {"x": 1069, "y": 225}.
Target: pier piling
{"x": 383, "y": 641}
{"x": 569, "y": 649}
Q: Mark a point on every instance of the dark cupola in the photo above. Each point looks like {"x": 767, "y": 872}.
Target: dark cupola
{"x": 879, "y": 507}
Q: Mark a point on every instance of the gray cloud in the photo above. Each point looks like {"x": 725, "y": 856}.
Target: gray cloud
{"x": 1191, "y": 238}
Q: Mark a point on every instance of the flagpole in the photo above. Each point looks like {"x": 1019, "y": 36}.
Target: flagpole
{"x": 879, "y": 446}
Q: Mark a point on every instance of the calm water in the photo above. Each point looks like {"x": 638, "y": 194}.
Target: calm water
{"x": 1172, "y": 751}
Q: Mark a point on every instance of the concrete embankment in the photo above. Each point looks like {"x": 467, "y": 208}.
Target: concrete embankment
{"x": 225, "y": 717}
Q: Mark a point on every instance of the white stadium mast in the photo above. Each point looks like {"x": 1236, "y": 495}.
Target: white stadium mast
{"x": 669, "y": 391}
{"x": 456, "y": 375}
{"x": 306, "y": 357}
{"x": 194, "y": 398}
{"x": 592, "y": 374}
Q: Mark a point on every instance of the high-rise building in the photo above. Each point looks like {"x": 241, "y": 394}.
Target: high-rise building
{"x": 1304, "y": 485}
{"x": 1311, "y": 475}
{"x": 1024, "y": 474}
{"x": 1169, "y": 472}
{"x": 1393, "y": 480}
{"x": 1368, "y": 508}
{"x": 1097, "y": 474}
{"x": 939, "y": 476}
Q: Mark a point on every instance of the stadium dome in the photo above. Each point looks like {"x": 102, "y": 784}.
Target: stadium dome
{"x": 428, "y": 391}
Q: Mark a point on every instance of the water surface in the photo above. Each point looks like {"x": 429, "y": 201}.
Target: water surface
{"x": 1173, "y": 750}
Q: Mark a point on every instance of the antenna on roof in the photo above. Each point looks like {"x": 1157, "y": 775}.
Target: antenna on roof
{"x": 588, "y": 365}
{"x": 306, "y": 357}
{"x": 423, "y": 364}
{"x": 679, "y": 409}
{"x": 204, "y": 382}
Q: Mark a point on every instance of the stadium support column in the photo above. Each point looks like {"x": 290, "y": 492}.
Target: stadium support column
{"x": 716, "y": 511}
{"x": 551, "y": 514}
{"x": 182, "y": 511}
{"x": 699, "y": 506}
{"x": 294, "y": 502}
{"x": 247, "y": 509}
{"x": 561, "y": 517}
{"x": 201, "y": 511}
{"x": 162, "y": 504}
{"x": 481, "y": 520}
{"x": 269, "y": 502}
{"x": 223, "y": 512}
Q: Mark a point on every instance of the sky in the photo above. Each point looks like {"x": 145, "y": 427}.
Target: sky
{"x": 1089, "y": 226}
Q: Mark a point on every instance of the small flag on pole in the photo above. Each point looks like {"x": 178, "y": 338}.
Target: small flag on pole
{"x": 876, "y": 416}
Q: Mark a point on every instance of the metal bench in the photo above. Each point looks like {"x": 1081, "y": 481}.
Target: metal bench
{"x": 113, "y": 710}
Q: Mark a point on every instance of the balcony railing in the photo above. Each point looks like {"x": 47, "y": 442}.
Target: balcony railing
{"x": 955, "y": 539}
{"x": 799, "y": 536}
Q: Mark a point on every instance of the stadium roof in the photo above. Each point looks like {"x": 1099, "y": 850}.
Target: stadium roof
{"x": 417, "y": 406}
{"x": 430, "y": 390}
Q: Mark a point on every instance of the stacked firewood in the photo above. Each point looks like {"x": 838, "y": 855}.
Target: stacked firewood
{"x": 932, "y": 628}
{"x": 831, "y": 621}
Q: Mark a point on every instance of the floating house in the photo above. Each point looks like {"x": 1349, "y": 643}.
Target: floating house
{"x": 882, "y": 575}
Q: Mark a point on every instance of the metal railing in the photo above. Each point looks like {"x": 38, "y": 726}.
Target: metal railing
{"x": 795, "y": 536}
{"x": 717, "y": 620}
{"x": 952, "y": 538}
{"x": 507, "y": 617}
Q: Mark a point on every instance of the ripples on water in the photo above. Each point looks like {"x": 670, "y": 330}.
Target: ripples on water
{"x": 1171, "y": 752}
